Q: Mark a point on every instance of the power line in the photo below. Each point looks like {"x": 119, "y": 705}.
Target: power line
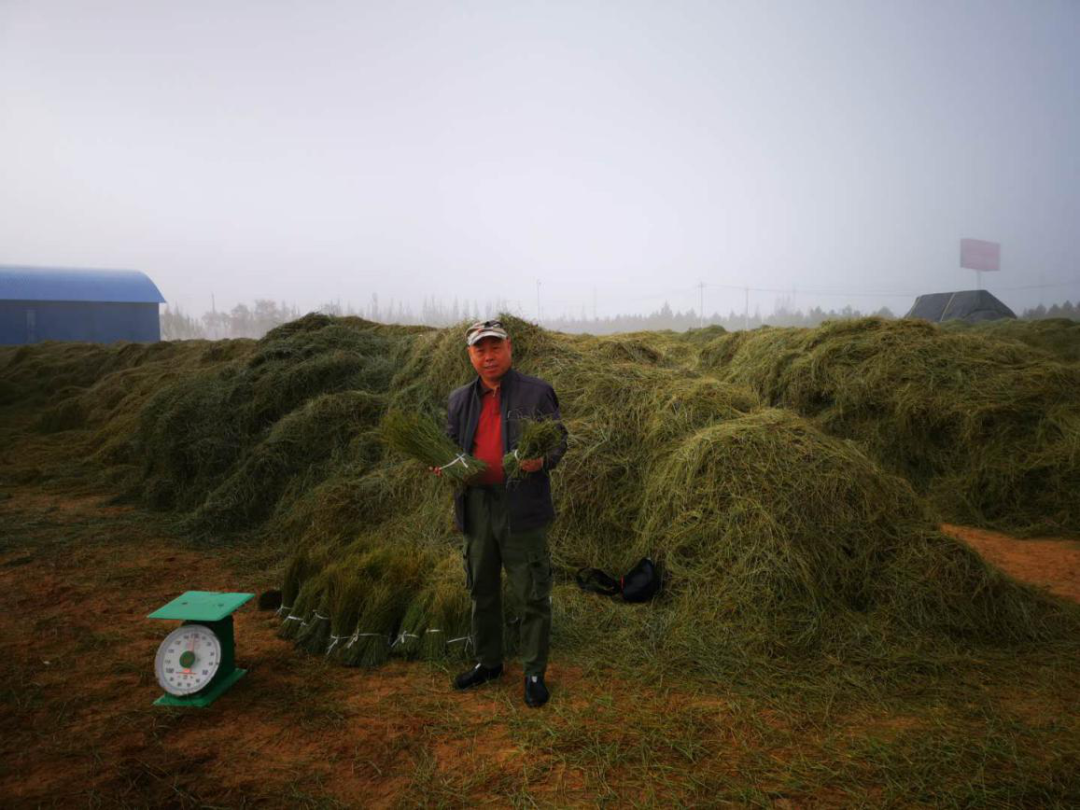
{"x": 673, "y": 291}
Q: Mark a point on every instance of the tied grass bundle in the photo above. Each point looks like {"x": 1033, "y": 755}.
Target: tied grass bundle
{"x": 307, "y": 603}
{"x": 369, "y": 645}
{"x": 386, "y": 579}
{"x": 420, "y": 437}
{"x": 413, "y": 628}
{"x": 314, "y": 635}
{"x": 448, "y": 631}
{"x": 538, "y": 438}
{"x": 345, "y": 596}
{"x": 305, "y": 564}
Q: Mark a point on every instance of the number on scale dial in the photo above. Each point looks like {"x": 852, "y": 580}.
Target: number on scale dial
{"x": 187, "y": 659}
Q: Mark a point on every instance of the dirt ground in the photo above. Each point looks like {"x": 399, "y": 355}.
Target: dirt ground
{"x": 1047, "y": 563}
{"x": 78, "y": 577}
{"x": 76, "y": 624}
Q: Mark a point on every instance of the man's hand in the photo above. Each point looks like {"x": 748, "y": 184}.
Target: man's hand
{"x": 532, "y": 465}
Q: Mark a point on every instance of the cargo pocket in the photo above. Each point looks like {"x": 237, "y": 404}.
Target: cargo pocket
{"x": 465, "y": 564}
{"x": 540, "y": 575}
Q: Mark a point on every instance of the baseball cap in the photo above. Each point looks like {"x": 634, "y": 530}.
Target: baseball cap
{"x": 483, "y": 329}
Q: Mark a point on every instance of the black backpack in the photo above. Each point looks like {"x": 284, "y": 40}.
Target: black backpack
{"x": 640, "y": 584}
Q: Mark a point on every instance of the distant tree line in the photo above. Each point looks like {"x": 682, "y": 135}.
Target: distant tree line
{"x": 255, "y": 321}
{"x": 667, "y": 318}
{"x": 1067, "y": 310}
{"x": 241, "y": 321}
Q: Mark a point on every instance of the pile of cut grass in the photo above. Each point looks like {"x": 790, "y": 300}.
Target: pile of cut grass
{"x": 786, "y": 542}
{"x": 790, "y": 550}
{"x": 787, "y": 551}
{"x": 232, "y": 446}
{"x": 987, "y": 429}
{"x": 1058, "y": 337}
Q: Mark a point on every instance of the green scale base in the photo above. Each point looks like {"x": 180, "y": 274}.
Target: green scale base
{"x": 207, "y": 696}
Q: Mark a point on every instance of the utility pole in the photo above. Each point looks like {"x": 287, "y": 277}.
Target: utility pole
{"x": 746, "y": 309}
{"x": 594, "y": 303}
{"x": 701, "y": 304}
{"x": 538, "y": 301}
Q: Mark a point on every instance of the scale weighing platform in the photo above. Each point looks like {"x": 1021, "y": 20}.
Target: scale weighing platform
{"x": 196, "y": 663}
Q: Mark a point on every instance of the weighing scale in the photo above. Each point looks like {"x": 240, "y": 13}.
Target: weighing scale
{"x": 196, "y": 663}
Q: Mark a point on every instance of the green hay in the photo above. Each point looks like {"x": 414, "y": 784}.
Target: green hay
{"x": 314, "y": 634}
{"x": 792, "y": 555}
{"x": 414, "y": 625}
{"x": 346, "y": 592}
{"x": 793, "y": 542}
{"x": 67, "y": 414}
{"x": 688, "y": 404}
{"x": 387, "y": 579}
{"x": 333, "y": 511}
{"x": 369, "y": 645}
{"x": 308, "y": 599}
{"x": 537, "y": 438}
{"x": 1058, "y": 337}
{"x": 445, "y": 608}
{"x": 986, "y": 428}
{"x": 449, "y": 609}
{"x": 34, "y": 374}
{"x": 619, "y": 420}
{"x": 421, "y": 438}
{"x": 227, "y": 443}
{"x": 305, "y": 563}
{"x": 301, "y": 449}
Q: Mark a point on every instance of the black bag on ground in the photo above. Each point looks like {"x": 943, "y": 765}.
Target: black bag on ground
{"x": 641, "y": 583}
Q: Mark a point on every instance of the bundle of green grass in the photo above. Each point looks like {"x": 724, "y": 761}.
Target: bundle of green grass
{"x": 537, "y": 438}
{"x": 988, "y": 429}
{"x": 421, "y": 438}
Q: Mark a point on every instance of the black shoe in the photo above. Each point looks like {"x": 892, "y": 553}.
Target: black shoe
{"x": 476, "y": 676}
{"x": 536, "y": 694}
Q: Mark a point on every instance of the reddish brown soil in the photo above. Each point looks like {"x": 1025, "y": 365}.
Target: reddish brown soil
{"x": 78, "y": 728}
{"x": 1048, "y": 563}
{"x": 76, "y": 664}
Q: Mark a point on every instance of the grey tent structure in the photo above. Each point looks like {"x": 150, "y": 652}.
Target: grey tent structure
{"x": 971, "y": 306}
{"x": 55, "y": 303}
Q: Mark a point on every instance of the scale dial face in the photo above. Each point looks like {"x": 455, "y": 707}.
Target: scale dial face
{"x": 187, "y": 659}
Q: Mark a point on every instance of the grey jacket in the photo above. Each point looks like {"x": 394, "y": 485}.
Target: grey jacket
{"x": 521, "y": 396}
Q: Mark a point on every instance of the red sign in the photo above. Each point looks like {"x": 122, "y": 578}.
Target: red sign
{"x": 975, "y": 254}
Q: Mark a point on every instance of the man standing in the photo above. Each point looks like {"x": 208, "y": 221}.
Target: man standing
{"x": 505, "y": 522}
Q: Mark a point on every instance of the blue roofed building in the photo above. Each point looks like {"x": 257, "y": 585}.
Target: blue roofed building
{"x": 96, "y": 306}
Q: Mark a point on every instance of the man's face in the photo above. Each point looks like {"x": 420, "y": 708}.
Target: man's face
{"x": 490, "y": 357}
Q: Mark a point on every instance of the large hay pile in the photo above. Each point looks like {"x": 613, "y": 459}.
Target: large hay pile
{"x": 1058, "y": 337}
{"x": 987, "y": 428}
{"x": 790, "y": 543}
{"x": 785, "y": 547}
{"x": 231, "y": 445}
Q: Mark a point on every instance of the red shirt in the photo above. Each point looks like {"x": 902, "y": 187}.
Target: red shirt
{"x": 487, "y": 442}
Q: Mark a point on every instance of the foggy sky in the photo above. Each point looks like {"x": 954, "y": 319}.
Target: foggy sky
{"x": 320, "y": 151}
